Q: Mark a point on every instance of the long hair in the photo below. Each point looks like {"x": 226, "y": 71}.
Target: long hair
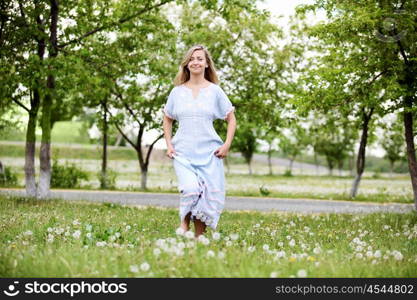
{"x": 183, "y": 74}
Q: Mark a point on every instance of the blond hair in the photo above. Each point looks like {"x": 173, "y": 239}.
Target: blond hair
{"x": 183, "y": 74}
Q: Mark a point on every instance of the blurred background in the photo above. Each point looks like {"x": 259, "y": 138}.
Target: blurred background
{"x": 323, "y": 94}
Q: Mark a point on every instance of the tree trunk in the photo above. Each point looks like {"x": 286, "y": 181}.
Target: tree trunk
{"x": 269, "y": 160}
{"x": 30, "y": 173}
{"x": 360, "y": 162}
{"x": 411, "y": 154}
{"x": 118, "y": 140}
{"x": 35, "y": 102}
{"x": 250, "y": 167}
{"x": 316, "y": 163}
{"x": 103, "y": 183}
{"x": 143, "y": 178}
{"x": 45, "y": 153}
{"x": 351, "y": 164}
{"x": 2, "y": 172}
{"x": 391, "y": 164}
{"x": 355, "y": 185}
{"x": 291, "y": 163}
{"x": 340, "y": 166}
{"x": 330, "y": 165}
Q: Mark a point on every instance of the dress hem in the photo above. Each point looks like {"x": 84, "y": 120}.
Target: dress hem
{"x": 207, "y": 220}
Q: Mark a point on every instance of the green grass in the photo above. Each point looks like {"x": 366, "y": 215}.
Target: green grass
{"x": 70, "y": 132}
{"x": 91, "y": 152}
{"x": 324, "y": 245}
{"x": 62, "y": 132}
{"x": 85, "y": 152}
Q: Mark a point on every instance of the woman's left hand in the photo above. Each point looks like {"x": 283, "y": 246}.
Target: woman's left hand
{"x": 222, "y": 151}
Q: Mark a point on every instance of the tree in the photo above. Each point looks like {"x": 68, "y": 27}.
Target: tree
{"x": 333, "y": 137}
{"x": 345, "y": 74}
{"x": 293, "y": 142}
{"x": 393, "y": 144}
{"x": 388, "y": 52}
{"x": 35, "y": 28}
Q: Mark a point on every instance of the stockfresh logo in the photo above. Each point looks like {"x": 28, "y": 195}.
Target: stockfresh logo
{"x": 11, "y": 289}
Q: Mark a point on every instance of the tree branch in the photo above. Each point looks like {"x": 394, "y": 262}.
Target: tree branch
{"x": 151, "y": 147}
{"x": 120, "y": 96}
{"x": 119, "y": 22}
{"x": 403, "y": 54}
{"x": 139, "y": 143}
{"x": 20, "y": 104}
{"x": 119, "y": 129}
{"x": 22, "y": 12}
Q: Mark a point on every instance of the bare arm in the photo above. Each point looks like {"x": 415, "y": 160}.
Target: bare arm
{"x": 231, "y": 128}
{"x": 167, "y": 125}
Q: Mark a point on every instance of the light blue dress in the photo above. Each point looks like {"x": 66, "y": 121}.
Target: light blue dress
{"x": 200, "y": 173}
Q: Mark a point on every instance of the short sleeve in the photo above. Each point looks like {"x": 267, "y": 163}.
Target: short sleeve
{"x": 169, "y": 106}
{"x": 223, "y": 106}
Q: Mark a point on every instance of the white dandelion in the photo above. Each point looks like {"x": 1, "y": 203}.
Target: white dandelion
{"x": 302, "y": 273}
{"x": 134, "y": 269}
{"x": 180, "y": 231}
{"x": 216, "y": 236}
{"x": 145, "y": 267}
{"x": 76, "y": 234}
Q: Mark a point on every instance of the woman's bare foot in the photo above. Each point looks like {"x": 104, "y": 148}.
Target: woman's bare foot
{"x": 200, "y": 227}
{"x": 185, "y": 224}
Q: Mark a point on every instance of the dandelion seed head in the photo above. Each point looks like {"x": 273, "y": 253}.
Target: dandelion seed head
{"x": 216, "y": 236}
{"x": 134, "y": 269}
{"x": 76, "y": 234}
{"x": 302, "y": 273}
{"x": 145, "y": 266}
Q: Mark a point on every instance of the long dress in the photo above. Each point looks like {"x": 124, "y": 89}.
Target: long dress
{"x": 199, "y": 171}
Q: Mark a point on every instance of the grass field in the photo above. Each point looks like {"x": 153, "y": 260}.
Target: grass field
{"x": 62, "y": 132}
{"x": 67, "y": 239}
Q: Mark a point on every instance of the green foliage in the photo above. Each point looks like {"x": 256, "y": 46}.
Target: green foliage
{"x": 393, "y": 143}
{"x": 288, "y": 173}
{"x": 66, "y": 176}
{"x": 376, "y": 175}
{"x": 333, "y": 138}
{"x": 245, "y": 142}
{"x": 264, "y": 191}
{"x": 8, "y": 177}
{"x": 293, "y": 144}
{"x": 108, "y": 180}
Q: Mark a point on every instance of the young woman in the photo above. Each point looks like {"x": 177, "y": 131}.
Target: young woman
{"x": 196, "y": 149}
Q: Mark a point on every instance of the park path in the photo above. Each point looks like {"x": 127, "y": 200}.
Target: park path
{"x": 307, "y": 206}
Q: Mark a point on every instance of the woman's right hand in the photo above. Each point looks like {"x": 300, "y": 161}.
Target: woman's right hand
{"x": 171, "y": 151}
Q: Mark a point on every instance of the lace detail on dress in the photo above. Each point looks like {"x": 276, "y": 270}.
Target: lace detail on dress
{"x": 198, "y": 214}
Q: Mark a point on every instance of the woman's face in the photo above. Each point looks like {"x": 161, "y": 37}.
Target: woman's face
{"x": 197, "y": 63}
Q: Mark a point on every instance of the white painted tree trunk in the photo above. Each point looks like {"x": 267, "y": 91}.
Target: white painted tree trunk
{"x": 30, "y": 179}
{"x": 45, "y": 172}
